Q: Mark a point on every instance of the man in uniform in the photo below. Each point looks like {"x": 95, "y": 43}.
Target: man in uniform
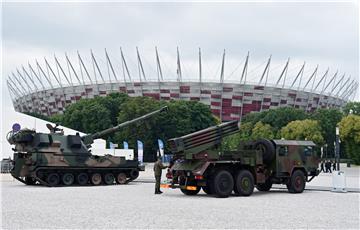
{"x": 158, "y": 167}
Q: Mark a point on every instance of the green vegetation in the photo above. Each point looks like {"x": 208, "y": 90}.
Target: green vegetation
{"x": 303, "y": 130}
{"x": 350, "y": 135}
{"x": 92, "y": 115}
{"x": 352, "y": 108}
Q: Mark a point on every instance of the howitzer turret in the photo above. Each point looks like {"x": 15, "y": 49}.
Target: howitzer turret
{"x": 56, "y": 159}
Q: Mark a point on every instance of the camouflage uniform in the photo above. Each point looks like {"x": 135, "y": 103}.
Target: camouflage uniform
{"x": 158, "y": 167}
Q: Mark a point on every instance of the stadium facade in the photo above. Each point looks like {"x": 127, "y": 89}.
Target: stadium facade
{"x": 47, "y": 89}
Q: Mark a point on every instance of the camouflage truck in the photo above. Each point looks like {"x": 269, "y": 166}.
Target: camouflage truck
{"x": 199, "y": 163}
{"x": 55, "y": 159}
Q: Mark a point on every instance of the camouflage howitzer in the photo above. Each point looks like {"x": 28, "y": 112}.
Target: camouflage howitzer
{"x": 55, "y": 159}
{"x": 199, "y": 162}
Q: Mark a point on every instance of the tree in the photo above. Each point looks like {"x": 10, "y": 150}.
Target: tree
{"x": 93, "y": 115}
{"x": 352, "y": 108}
{"x": 276, "y": 118}
{"x": 280, "y": 117}
{"x": 262, "y": 130}
{"x": 303, "y": 130}
{"x": 328, "y": 120}
{"x": 350, "y": 134}
{"x": 232, "y": 142}
{"x": 183, "y": 117}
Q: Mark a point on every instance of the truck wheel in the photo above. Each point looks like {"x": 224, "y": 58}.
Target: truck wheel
{"x": 53, "y": 179}
{"x": 109, "y": 178}
{"x": 134, "y": 174}
{"x": 68, "y": 179}
{"x": 30, "y": 181}
{"x": 297, "y": 182}
{"x": 223, "y": 184}
{"x": 191, "y": 192}
{"x": 96, "y": 179}
{"x": 82, "y": 178}
{"x": 207, "y": 190}
{"x": 245, "y": 183}
{"x": 121, "y": 178}
{"x": 267, "y": 149}
{"x": 265, "y": 186}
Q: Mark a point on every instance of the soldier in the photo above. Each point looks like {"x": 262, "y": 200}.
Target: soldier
{"x": 158, "y": 167}
{"x": 334, "y": 166}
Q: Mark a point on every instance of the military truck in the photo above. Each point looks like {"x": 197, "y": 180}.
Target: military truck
{"x": 200, "y": 163}
{"x": 55, "y": 159}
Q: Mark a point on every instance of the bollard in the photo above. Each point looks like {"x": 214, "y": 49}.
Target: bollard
{"x": 339, "y": 181}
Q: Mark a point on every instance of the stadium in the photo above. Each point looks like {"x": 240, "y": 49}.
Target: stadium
{"x": 47, "y": 88}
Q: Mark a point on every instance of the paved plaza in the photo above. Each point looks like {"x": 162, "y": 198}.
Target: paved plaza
{"x": 135, "y": 206}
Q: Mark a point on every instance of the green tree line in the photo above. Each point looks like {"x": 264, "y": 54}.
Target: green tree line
{"x": 99, "y": 113}
{"x": 184, "y": 117}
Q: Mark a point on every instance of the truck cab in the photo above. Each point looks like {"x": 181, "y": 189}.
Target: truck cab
{"x": 292, "y": 155}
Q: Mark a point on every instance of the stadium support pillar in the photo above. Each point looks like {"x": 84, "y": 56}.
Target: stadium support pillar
{"x": 243, "y": 76}
{"x": 313, "y": 76}
{"x": 265, "y": 73}
{"x": 301, "y": 73}
{"x": 200, "y": 74}
{"x": 222, "y": 85}
{"x": 141, "y": 70}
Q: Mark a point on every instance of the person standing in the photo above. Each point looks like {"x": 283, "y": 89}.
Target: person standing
{"x": 334, "y": 166}
{"x": 158, "y": 167}
{"x": 327, "y": 166}
{"x": 322, "y": 167}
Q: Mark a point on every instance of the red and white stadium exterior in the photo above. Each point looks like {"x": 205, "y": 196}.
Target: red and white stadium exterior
{"x": 229, "y": 101}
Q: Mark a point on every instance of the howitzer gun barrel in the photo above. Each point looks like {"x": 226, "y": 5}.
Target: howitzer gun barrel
{"x": 90, "y": 137}
{"x": 203, "y": 139}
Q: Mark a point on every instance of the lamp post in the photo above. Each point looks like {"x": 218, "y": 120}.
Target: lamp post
{"x": 337, "y": 149}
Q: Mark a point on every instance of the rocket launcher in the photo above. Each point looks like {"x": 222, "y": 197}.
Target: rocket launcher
{"x": 89, "y": 139}
{"x": 200, "y": 141}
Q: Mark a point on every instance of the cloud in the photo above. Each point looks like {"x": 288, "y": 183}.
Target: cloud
{"x": 318, "y": 33}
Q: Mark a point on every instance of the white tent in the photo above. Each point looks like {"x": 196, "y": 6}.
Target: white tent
{"x": 11, "y": 117}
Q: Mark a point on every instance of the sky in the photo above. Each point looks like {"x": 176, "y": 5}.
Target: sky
{"x": 319, "y": 33}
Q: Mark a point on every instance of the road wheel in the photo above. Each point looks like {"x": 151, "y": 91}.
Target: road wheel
{"x": 297, "y": 182}
{"x": 191, "y": 192}
{"x": 96, "y": 179}
{"x": 82, "y": 179}
{"x": 265, "y": 186}
{"x": 53, "y": 179}
{"x": 68, "y": 179}
{"x": 121, "y": 178}
{"x": 109, "y": 178}
{"x": 222, "y": 184}
{"x": 207, "y": 190}
{"x": 30, "y": 180}
{"x": 134, "y": 174}
{"x": 245, "y": 183}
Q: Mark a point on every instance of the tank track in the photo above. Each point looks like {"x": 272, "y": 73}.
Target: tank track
{"x": 42, "y": 180}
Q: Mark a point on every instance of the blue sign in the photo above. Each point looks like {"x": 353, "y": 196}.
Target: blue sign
{"x": 126, "y": 145}
{"x": 161, "y": 144}
{"x": 140, "y": 145}
{"x": 16, "y": 127}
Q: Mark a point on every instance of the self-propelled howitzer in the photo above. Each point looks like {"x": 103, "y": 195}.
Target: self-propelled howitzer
{"x": 55, "y": 159}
